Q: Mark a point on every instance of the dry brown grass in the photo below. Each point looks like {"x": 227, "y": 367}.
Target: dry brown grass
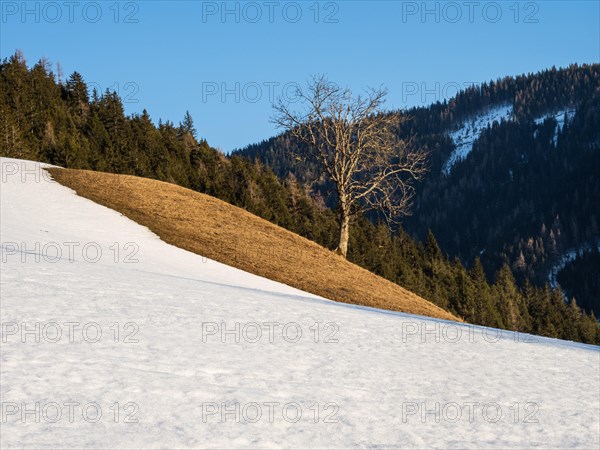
{"x": 228, "y": 234}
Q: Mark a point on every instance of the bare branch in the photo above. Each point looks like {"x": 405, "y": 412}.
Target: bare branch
{"x": 357, "y": 147}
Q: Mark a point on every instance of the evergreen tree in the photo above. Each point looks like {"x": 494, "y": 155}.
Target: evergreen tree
{"x": 187, "y": 125}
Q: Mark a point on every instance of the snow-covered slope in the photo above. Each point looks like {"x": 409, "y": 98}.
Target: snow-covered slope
{"x": 469, "y": 131}
{"x": 193, "y": 353}
{"x": 559, "y": 116}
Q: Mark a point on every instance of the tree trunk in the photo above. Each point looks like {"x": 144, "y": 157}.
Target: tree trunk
{"x": 342, "y": 248}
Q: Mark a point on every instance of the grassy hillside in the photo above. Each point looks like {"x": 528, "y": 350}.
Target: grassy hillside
{"x": 210, "y": 227}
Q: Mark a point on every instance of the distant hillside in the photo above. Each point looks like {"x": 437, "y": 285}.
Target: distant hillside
{"x": 515, "y": 174}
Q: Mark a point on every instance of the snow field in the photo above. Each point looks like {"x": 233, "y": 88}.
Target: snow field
{"x": 150, "y": 346}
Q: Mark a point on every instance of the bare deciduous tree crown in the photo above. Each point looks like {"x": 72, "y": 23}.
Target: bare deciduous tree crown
{"x": 357, "y": 147}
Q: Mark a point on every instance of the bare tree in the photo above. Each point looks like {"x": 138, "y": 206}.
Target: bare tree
{"x": 356, "y": 146}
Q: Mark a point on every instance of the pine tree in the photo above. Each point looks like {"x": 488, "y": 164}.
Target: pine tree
{"x": 485, "y": 311}
{"x": 510, "y": 301}
{"x": 432, "y": 248}
{"x": 187, "y": 126}
{"x": 77, "y": 94}
{"x": 464, "y": 293}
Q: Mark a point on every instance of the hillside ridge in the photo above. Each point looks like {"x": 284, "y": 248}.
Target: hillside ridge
{"x": 231, "y": 235}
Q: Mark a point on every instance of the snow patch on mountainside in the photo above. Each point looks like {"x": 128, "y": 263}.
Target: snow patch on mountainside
{"x": 173, "y": 350}
{"x": 560, "y": 117}
{"x": 568, "y": 257}
{"x": 469, "y": 131}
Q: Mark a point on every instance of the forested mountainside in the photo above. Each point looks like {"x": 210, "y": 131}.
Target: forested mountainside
{"x": 62, "y": 123}
{"x": 514, "y": 177}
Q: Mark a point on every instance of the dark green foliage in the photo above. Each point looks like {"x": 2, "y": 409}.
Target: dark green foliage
{"x": 581, "y": 280}
{"x": 43, "y": 120}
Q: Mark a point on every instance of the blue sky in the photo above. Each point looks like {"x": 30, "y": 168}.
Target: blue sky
{"x": 225, "y": 61}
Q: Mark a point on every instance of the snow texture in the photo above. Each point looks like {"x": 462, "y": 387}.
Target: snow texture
{"x": 377, "y": 378}
{"x": 568, "y": 257}
{"x": 469, "y": 131}
{"x": 560, "y": 117}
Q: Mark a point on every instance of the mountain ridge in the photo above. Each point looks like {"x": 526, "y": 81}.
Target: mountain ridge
{"x": 503, "y": 136}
